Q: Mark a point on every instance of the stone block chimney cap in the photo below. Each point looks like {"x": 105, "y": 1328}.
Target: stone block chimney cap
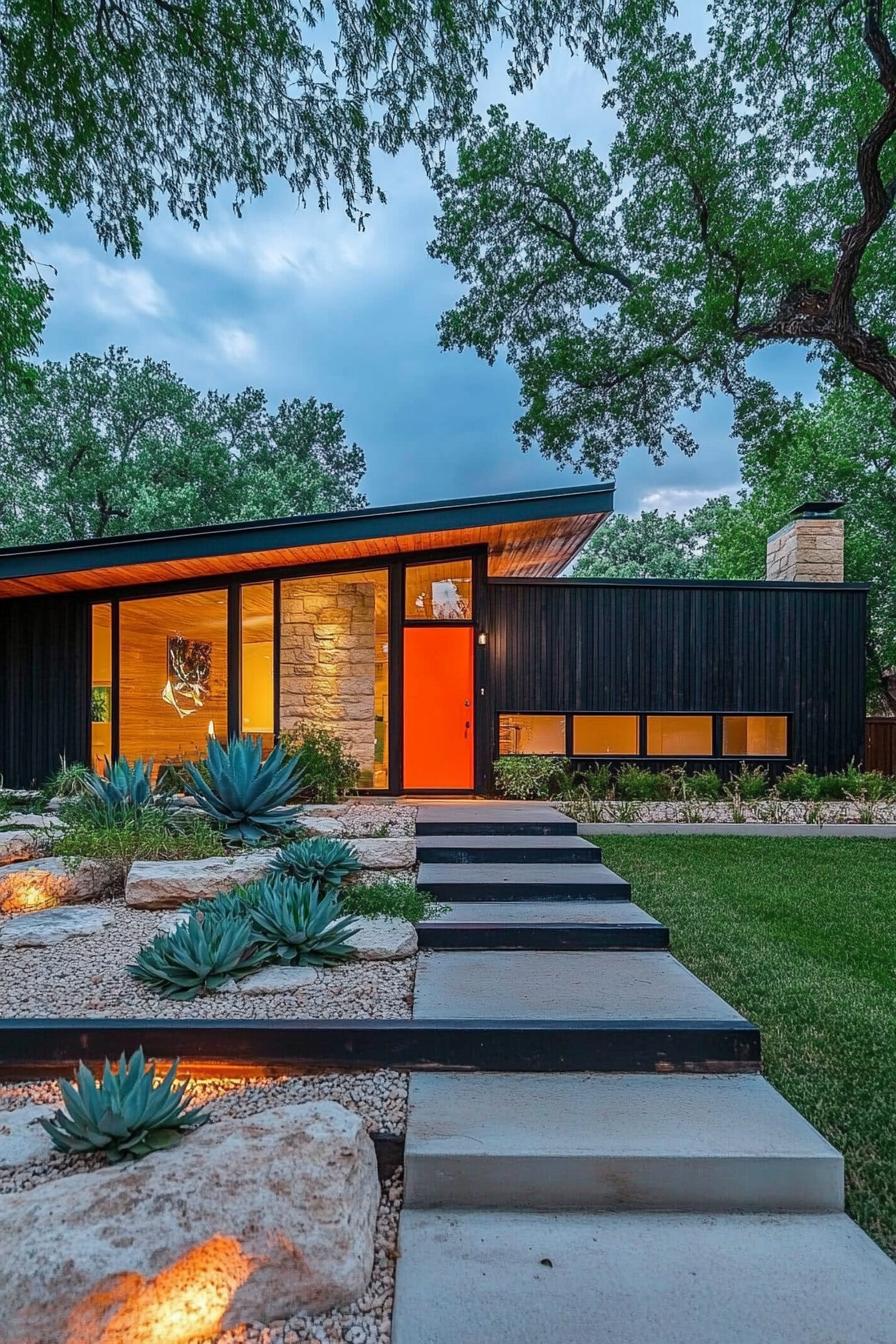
{"x": 817, "y": 509}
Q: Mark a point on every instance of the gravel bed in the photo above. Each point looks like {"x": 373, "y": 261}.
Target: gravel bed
{"x": 365, "y": 819}
{"x": 87, "y": 977}
{"x": 380, "y": 1097}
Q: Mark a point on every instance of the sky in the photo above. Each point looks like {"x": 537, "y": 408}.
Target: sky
{"x": 302, "y": 304}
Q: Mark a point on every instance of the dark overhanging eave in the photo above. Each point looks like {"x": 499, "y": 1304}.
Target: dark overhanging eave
{"x": 224, "y": 539}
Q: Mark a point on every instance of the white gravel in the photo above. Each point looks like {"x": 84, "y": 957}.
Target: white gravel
{"x": 87, "y": 977}
{"x": 379, "y": 1097}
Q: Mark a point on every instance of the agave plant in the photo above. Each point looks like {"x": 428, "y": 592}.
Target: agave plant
{"x": 325, "y": 862}
{"x": 244, "y": 795}
{"x": 298, "y": 924}
{"x": 123, "y": 1114}
{"x": 122, "y": 785}
{"x": 199, "y": 954}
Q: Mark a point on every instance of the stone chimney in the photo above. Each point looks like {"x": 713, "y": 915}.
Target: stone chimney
{"x": 809, "y": 549}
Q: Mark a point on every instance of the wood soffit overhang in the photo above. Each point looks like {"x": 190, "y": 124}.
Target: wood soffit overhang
{"x": 532, "y": 535}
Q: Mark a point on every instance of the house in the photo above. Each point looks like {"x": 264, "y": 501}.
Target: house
{"x": 431, "y": 638}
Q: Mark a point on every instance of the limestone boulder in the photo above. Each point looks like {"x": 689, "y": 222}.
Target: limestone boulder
{"x": 57, "y": 882}
{"x": 250, "y": 1220}
{"x": 32, "y": 821}
{"x": 23, "y": 843}
{"x": 46, "y": 928}
{"x": 382, "y": 938}
{"x": 272, "y": 980}
{"x": 328, "y": 826}
{"x": 166, "y": 884}
{"x": 22, "y": 1138}
{"x": 394, "y": 851}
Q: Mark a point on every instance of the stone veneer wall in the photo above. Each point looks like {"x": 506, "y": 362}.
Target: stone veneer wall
{"x": 327, "y": 660}
{"x": 808, "y": 550}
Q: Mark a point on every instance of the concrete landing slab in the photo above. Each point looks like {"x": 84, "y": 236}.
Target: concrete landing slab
{"x": 470, "y": 849}
{"x": 549, "y": 925}
{"x": 570, "y": 986}
{"x": 541, "y": 912}
{"x": 601, "y": 1141}
{"x": 492, "y": 818}
{"x": 639, "y": 1278}
{"x": 504, "y": 881}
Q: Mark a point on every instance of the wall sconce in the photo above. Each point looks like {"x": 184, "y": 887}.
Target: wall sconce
{"x": 482, "y": 638}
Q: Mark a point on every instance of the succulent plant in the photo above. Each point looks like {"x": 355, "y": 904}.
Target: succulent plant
{"x": 326, "y": 862}
{"x": 202, "y": 953}
{"x": 246, "y": 796}
{"x": 122, "y": 785}
{"x": 298, "y": 923}
{"x": 123, "y": 1114}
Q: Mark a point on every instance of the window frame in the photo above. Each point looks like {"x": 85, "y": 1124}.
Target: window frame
{"x": 604, "y": 714}
{"x": 754, "y": 756}
{"x": 717, "y": 717}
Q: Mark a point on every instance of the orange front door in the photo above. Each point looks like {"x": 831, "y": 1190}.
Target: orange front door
{"x": 438, "y": 707}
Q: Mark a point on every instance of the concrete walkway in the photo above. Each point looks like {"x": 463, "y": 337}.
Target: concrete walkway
{"x": 682, "y": 1201}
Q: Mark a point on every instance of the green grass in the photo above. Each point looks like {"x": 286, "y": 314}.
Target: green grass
{"x": 798, "y": 936}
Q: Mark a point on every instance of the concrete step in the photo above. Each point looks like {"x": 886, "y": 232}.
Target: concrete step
{"x": 574, "y": 926}
{"x": 509, "y": 881}
{"x": 629, "y": 1278}
{"x": 593, "y": 1012}
{"x": 492, "y": 819}
{"x": 672, "y": 1142}
{"x": 572, "y": 986}
{"x": 469, "y": 849}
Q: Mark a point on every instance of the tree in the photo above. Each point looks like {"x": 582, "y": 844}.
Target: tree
{"x": 745, "y": 200}
{"x": 843, "y": 447}
{"x": 124, "y": 106}
{"x": 651, "y": 546}
{"x": 104, "y": 446}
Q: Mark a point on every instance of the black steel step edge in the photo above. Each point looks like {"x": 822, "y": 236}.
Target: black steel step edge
{"x": 473, "y": 828}
{"x": 429, "y": 850}
{"x": 477, "y": 937}
{"x": 44, "y": 1047}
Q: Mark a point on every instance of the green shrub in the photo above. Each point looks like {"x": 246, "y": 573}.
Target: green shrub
{"x": 326, "y": 863}
{"x": 131, "y": 833}
{"x": 69, "y": 781}
{"x": 597, "y": 782}
{"x": 531, "y": 776}
{"x": 298, "y": 924}
{"x": 123, "y": 1114}
{"x": 750, "y": 782}
{"x": 797, "y": 784}
{"x": 242, "y": 794}
{"x": 704, "y": 785}
{"x": 641, "y": 784}
{"x": 397, "y": 899}
{"x": 329, "y": 773}
{"x": 200, "y": 954}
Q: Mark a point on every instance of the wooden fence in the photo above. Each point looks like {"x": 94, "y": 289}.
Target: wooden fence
{"x": 880, "y": 745}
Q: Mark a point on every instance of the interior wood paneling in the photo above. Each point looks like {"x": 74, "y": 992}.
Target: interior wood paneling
{"x": 538, "y": 549}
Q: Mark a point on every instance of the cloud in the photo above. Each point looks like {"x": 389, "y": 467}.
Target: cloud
{"x": 679, "y": 499}
{"x": 115, "y": 289}
{"x": 233, "y": 342}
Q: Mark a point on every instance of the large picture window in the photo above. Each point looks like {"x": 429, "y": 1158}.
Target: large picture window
{"x": 605, "y": 735}
{"x": 679, "y": 734}
{"x": 173, "y": 675}
{"x": 257, "y": 662}
{"x": 334, "y": 663}
{"x": 532, "y": 735}
{"x": 754, "y": 735}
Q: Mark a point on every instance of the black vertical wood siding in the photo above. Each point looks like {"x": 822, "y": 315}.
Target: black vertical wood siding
{"x": 572, "y": 646}
{"x": 44, "y": 686}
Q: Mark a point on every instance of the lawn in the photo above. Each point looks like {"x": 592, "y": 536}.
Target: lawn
{"x": 799, "y": 936}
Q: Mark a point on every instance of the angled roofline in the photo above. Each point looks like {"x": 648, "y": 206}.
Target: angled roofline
{"x": 221, "y": 539}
